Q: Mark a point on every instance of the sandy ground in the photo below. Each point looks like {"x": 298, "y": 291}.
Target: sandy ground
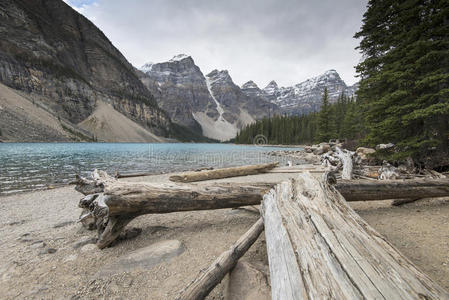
{"x": 33, "y": 223}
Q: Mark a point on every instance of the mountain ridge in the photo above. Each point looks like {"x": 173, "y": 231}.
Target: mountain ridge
{"x": 305, "y": 97}
{"x": 211, "y": 104}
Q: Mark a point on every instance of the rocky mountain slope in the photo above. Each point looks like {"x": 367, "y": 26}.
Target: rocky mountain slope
{"x": 69, "y": 67}
{"x": 303, "y": 97}
{"x": 210, "y": 104}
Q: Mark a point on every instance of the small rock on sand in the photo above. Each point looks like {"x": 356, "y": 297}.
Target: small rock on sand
{"x": 146, "y": 257}
{"x": 89, "y": 248}
{"x": 48, "y": 251}
{"x": 38, "y": 244}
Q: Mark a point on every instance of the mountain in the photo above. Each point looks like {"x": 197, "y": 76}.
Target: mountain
{"x": 306, "y": 96}
{"x": 251, "y": 89}
{"x": 212, "y": 105}
{"x": 65, "y": 66}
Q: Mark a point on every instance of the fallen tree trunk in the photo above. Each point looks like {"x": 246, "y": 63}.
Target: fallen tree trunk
{"x": 116, "y": 203}
{"x": 222, "y": 173}
{"x": 207, "y": 280}
{"x": 366, "y": 190}
{"x": 318, "y": 247}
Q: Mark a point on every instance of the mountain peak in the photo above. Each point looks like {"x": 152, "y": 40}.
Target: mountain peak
{"x": 272, "y": 84}
{"x": 219, "y": 75}
{"x": 250, "y": 85}
{"x": 146, "y": 67}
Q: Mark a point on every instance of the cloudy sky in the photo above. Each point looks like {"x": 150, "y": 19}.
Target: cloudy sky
{"x": 261, "y": 40}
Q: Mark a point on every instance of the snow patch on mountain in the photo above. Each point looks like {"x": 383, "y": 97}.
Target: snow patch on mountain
{"x": 219, "y": 108}
{"x": 179, "y": 57}
{"x": 146, "y": 67}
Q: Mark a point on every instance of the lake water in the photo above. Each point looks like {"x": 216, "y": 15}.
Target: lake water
{"x": 31, "y": 166}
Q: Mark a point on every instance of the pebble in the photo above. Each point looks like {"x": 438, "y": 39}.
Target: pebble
{"x": 89, "y": 248}
{"x": 38, "y": 244}
{"x": 48, "y": 251}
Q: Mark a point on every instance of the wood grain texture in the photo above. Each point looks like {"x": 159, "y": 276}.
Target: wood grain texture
{"x": 201, "y": 286}
{"x": 364, "y": 190}
{"x": 319, "y": 248}
{"x": 222, "y": 173}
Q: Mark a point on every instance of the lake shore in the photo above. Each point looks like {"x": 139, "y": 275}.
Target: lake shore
{"x": 41, "y": 256}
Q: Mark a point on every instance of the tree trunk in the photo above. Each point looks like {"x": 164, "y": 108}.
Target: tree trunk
{"x": 223, "y": 173}
{"x": 346, "y": 159}
{"x": 120, "y": 202}
{"x": 318, "y": 247}
{"x": 207, "y": 280}
{"x": 366, "y": 190}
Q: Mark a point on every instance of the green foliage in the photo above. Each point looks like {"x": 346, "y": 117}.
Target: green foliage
{"x": 341, "y": 121}
{"x": 404, "y": 89}
{"x": 327, "y": 127}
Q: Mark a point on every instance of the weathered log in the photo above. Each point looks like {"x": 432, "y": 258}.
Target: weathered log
{"x": 116, "y": 203}
{"x": 208, "y": 279}
{"x": 120, "y": 202}
{"x": 145, "y": 198}
{"x": 345, "y": 157}
{"x": 366, "y": 190}
{"x": 319, "y": 248}
{"x": 222, "y": 173}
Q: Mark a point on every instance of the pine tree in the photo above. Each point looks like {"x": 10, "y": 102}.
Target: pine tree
{"x": 326, "y": 125}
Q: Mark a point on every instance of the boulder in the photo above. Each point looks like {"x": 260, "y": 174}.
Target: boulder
{"x": 364, "y": 153}
{"x": 248, "y": 282}
{"x": 322, "y": 148}
{"x": 144, "y": 258}
{"x": 89, "y": 248}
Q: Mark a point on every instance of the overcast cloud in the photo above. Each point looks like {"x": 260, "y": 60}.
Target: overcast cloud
{"x": 261, "y": 40}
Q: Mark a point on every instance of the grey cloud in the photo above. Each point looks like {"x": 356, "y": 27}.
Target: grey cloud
{"x": 288, "y": 41}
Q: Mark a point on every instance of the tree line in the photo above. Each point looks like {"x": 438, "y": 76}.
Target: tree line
{"x": 339, "y": 120}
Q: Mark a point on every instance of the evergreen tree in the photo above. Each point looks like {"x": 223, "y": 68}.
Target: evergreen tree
{"x": 404, "y": 90}
{"x": 326, "y": 126}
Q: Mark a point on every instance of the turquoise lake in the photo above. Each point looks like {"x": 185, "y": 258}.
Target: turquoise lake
{"x": 32, "y": 166}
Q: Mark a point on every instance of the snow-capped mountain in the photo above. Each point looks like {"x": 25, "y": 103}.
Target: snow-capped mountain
{"x": 251, "y": 89}
{"x": 306, "y": 96}
{"x": 210, "y": 104}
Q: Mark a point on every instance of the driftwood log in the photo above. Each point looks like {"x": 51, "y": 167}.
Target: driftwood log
{"x": 223, "y": 173}
{"x": 114, "y": 203}
{"x": 345, "y": 157}
{"x": 208, "y": 279}
{"x": 111, "y": 204}
{"x": 366, "y": 190}
{"x": 319, "y": 248}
